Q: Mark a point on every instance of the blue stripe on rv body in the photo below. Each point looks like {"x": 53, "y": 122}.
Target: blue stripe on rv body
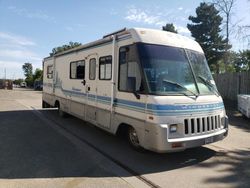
{"x": 182, "y": 111}
{"x": 130, "y": 103}
{"x": 104, "y": 98}
{"x": 72, "y": 92}
{"x": 156, "y": 109}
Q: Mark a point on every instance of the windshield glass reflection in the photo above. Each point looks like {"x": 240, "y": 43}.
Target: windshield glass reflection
{"x": 167, "y": 70}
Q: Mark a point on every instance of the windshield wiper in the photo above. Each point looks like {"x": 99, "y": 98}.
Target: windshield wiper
{"x": 181, "y": 86}
{"x": 209, "y": 85}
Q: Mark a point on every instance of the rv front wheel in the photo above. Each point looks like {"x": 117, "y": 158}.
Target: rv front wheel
{"x": 133, "y": 139}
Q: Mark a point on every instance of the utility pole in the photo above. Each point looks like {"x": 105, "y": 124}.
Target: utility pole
{"x": 4, "y": 78}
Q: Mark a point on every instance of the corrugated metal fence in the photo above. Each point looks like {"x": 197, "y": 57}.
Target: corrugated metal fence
{"x": 232, "y": 84}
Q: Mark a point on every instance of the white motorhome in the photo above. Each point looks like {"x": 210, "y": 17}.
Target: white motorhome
{"x": 23, "y": 84}
{"x": 154, "y": 85}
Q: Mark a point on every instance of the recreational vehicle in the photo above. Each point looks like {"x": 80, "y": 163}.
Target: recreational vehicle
{"x": 153, "y": 85}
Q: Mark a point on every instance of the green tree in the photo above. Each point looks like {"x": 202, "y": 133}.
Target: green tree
{"x": 169, "y": 27}
{"x": 206, "y": 31}
{"x": 27, "y": 69}
{"x": 65, "y": 47}
{"x": 28, "y": 73}
{"x": 38, "y": 74}
{"x": 29, "y": 81}
{"x": 242, "y": 62}
{"x": 18, "y": 81}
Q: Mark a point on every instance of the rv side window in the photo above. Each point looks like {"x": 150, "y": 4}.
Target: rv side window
{"x": 105, "y": 68}
{"x": 129, "y": 70}
{"x": 50, "y": 72}
{"x": 77, "y": 69}
{"x": 92, "y": 68}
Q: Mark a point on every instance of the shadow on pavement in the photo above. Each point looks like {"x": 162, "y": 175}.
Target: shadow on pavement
{"x": 238, "y": 172}
{"x": 238, "y": 120}
{"x": 30, "y": 148}
{"x": 235, "y": 117}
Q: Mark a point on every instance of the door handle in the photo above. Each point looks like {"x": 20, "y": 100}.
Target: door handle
{"x": 88, "y": 88}
{"x": 84, "y": 82}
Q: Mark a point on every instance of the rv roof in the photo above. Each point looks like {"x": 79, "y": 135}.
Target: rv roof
{"x": 160, "y": 37}
{"x": 150, "y": 36}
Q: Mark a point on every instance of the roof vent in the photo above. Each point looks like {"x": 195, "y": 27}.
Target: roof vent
{"x": 116, "y": 32}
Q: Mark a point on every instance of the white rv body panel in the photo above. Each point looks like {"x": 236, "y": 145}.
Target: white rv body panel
{"x": 150, "y": 115}
{"x": 152, "y": 36}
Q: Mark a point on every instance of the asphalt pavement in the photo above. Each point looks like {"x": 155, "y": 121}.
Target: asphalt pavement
{"x": 40, "y": 149}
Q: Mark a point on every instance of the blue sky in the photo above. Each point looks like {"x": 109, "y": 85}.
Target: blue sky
{"x": 29, "y": 29}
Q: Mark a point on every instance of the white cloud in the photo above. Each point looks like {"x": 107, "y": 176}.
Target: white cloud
{"x": 75, "y": 27}
{"x": 37, "y": 14}
{"x": 15, "y": 50}
{"x": 158, "y": 17}
{"x": 182, "y": 30}
{"x": 14, "y": 39}
{"x": 21, "y": 55}
{"x": 138, "y": 15}
{"x": 10, "y": 64}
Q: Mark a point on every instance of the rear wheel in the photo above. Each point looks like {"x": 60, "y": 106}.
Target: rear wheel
{"x": 45, "y": 105}
{"x": 60, "y": 112}
{"x": 133, "y": 139}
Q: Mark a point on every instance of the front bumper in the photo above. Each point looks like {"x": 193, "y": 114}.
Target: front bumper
{"x": 159, "y": 142}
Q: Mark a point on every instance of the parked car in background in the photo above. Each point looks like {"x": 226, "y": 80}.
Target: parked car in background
{"x": 38, "y": 85}
{"x": 23, "y": 84}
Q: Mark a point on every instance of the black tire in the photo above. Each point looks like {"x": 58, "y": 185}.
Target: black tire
{"x": 59, "y": 110}
{"x": 133, "y": 139}
{"x": 45, "y": 105}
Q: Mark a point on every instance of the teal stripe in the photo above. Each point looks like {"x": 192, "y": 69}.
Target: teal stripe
{"x": 154, "y": 109}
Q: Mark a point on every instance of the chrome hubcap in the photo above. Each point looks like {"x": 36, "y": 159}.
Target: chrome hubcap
{"x": 133, "y": 137}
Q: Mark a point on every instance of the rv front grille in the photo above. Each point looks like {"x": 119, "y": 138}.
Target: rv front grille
{"x": 201, "y": 125}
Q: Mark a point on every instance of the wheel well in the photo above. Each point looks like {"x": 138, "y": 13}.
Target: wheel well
{"x": 122, "y": 130}
{"x": 57, "y": 103}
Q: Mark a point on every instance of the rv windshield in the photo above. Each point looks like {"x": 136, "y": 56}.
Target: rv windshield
{"x": 167, "y": 71}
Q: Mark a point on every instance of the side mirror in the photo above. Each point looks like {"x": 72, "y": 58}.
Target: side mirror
{"x": 137, "y": 95}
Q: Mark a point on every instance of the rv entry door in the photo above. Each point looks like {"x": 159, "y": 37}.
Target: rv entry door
{"x": 91, "y": 89}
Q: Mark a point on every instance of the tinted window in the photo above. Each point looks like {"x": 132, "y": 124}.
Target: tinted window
{"x": 77, "y": 70}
